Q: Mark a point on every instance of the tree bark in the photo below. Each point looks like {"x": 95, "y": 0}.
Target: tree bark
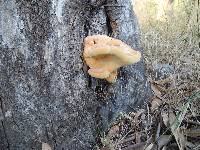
{"x": 46, "y": 94}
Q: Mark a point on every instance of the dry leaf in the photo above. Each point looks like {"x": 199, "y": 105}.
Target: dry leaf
{"x": 171, "y": 121}
{"x": 163, "y": 140}
{"x": 164, "y": 81}
{"x": 165, "y": 118}
{"x": 150, "y": 147}
{"x": 138, "y": 137}
{"x": 113, "y": 131}
{"x": 156, "y": 102}
{"x": 193, "y": 132}
{"x": 156, "y": 89}
{"x": 180, "y": 139}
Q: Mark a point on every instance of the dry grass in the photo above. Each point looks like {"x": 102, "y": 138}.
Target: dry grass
{"x": 173, "y": 39}
{"x": 170, "y": 37}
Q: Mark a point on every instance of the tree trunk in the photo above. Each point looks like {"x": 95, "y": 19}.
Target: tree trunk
{"x": 46, "y": 94}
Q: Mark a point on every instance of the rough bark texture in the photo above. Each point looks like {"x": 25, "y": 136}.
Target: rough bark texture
{"x": 46, "y": 94}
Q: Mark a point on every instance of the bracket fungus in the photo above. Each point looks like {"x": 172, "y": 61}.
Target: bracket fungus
{"x": 104, "y": 55}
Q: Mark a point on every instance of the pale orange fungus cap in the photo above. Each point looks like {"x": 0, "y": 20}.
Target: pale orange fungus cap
{"x": 104, "y": 55}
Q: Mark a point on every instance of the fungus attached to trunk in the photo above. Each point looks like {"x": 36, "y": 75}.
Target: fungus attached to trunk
{"x": 104, "y": 55}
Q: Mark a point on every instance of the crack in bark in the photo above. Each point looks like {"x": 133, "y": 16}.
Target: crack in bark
{"x": 87, "y": 30}
{"x": 89, "y": 11}
{"x": 2, "y": 123}
{"x": 108, "y": 22}
{"x": 101, "y": 87}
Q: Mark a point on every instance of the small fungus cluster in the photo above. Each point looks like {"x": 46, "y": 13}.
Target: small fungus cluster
{"x": 104, "y": 55}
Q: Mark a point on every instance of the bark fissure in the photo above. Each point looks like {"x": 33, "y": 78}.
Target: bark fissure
{"x": 90, "y": 9}
{"x": 86, "y": 30}
{"x": 108, "y": 22}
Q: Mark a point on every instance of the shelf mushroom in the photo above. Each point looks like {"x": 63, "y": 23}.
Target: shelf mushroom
{"x": 104, "y": 55}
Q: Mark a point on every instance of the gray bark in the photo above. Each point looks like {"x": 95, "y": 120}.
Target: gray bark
{"x": 46, "y": 94}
